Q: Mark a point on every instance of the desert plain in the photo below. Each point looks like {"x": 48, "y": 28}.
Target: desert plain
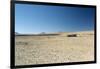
{"x": 58, "y": 48}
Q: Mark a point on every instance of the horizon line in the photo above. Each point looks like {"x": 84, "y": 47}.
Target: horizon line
{"x": 53, "y": 32}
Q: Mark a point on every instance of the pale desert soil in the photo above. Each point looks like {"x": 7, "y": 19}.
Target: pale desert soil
{"x": 54, "y": 49}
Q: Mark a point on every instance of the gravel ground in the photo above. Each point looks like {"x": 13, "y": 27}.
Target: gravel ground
{"x": 53, "y": 49}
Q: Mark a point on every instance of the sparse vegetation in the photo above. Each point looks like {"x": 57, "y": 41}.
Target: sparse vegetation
{"x": 21, "y": 43}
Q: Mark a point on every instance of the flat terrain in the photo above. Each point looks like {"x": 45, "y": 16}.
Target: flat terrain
{"x": 54, "y": 49}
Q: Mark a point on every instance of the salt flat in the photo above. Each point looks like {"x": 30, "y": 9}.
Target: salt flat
{"x": 54, "y": 49}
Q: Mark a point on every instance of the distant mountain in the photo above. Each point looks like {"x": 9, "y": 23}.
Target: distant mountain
{"x": 16, "y": 33}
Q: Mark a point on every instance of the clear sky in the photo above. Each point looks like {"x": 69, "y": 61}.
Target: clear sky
{"x": 43, "y": 18}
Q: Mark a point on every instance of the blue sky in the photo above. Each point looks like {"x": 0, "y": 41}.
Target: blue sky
{"x": 43, "y": 18}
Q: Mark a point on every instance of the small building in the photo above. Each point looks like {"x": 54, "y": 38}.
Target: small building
{"x": 72, "y": 35}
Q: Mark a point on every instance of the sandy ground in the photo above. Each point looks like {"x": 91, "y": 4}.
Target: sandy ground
{"x": 54, "y": 49}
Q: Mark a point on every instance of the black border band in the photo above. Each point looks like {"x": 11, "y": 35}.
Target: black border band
{"x": 12, "y": 37}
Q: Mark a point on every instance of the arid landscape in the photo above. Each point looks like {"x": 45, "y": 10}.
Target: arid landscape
{"x": 62, "y": 47}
